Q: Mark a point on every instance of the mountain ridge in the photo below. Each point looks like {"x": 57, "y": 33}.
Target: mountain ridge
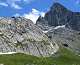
{"x": 18, "y": 34}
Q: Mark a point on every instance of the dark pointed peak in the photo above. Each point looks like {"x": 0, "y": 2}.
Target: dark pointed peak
{"x": 58, "y": 6}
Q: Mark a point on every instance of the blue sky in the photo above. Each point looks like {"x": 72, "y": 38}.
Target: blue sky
{"x": 23, "y": 6}
{"x": 73, "y": 5}
{"x": 30, "y": 8}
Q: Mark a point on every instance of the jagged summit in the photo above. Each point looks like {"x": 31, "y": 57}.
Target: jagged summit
{"x": 59, "y": 15}
{"x": 57, "y": 6}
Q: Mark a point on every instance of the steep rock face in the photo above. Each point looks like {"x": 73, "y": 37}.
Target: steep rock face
{"x": 21, "y": 35}
{"x": 66, "y": 38}
{"x": 43, "y": 24}
{"x": 62, "y": 26}
{"x": 59, "y": 15}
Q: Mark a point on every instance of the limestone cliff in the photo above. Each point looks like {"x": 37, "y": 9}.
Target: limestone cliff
{"x": 21, "y": 35}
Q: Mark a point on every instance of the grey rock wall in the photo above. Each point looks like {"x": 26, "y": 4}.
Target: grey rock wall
{"x": 21, "y": 35}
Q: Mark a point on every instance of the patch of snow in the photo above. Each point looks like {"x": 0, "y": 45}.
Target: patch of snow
{"x": 47, "y": 31}
{"x": 1, "y": 53}
{"x": 63, "y": 26}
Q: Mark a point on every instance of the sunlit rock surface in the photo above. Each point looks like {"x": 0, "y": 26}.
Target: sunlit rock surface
{"x": 21, "y": 35}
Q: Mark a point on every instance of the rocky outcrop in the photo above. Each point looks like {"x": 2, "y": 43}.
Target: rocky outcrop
{"x": 65, "y": 37}
{"x": 22, "y": 36}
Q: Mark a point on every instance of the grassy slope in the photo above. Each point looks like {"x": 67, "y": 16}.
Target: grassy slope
{"x": 66, "y": 58}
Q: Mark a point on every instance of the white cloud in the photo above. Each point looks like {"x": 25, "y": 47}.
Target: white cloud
{"x": 3, "y": 4}
{"x": 33, "y": 15}
{"x": 77, "y": 1}
{"x": 16, "y": 6}
{"x": 42, "y": 14}
{"x": 28, "y": 1}
{"x": 16, "y": 15}
{"x": 13, "y": 4}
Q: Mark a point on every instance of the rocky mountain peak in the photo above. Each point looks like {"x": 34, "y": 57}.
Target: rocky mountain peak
{"x": 20, "y": 35}
{"x": 57, "y": 6}
{"x": 59, "y": 15}
{"x": 62, "y": 26}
